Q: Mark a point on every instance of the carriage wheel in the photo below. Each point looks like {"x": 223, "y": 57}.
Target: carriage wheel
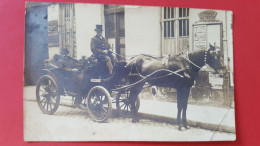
{"x": 47, "y": 94}
{"x": 99, "y": 104}
{"x": 123, "y": 104}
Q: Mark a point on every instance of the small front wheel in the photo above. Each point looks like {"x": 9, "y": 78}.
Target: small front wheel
{"x": 47, "y": 95}
{"x": 99, "y": 104}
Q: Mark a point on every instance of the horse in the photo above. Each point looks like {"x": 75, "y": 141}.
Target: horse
{"x": 183, "y": 69}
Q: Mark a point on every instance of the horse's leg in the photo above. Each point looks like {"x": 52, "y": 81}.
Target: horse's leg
{"x": 134, "y": 92}
{"x": 179, "y": 107}
{"x": 185, "y": 96}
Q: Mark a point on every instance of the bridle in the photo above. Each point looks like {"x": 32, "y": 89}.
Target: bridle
{"x": 186, "y": 56}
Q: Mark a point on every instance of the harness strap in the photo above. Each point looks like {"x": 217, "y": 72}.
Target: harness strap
{"x": 148, "y": 77}
{"x": 187, "y": 58}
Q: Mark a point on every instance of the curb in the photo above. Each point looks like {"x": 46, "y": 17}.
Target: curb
{"x": 208, "y": 126}
{"x": 171, "y": 120}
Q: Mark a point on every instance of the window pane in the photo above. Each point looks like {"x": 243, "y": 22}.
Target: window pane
{"x": 164, "y": 11}
{"x": 113, "y": 6}
{"x": 184, "y": 12}
{"x": 172, "y": 12}
{"x": 164, "y": 23}
{"x": 180, "y": 27}
{"x": 172, "y": 29}
{"x": 168, "y": 13}
{"x": 121, "y": 24}
{"x": 184, "y": 28}
{"x": 180, "y": 12}
{"x": 188, "y": 11}
{"x": 168, "y": 35}
{"x": 110, "y": 26}
{"x": 188, "y": 33}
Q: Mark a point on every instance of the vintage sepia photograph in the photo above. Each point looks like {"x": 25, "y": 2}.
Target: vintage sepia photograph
{"x": 102, "y": 72}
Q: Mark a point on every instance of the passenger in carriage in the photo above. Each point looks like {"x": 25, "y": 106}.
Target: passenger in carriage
{"x": 101, "y": 50}
{"x": 64, "y": 61}
{"x": 68, "y": 65}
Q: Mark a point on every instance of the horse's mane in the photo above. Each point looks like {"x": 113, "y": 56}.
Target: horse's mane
{"x": 181, "y": 54}
{"x": 147, "y": 55}
{"x": 184, "y": 53}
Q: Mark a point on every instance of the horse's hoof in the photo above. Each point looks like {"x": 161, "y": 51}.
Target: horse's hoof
{"x": 135, "y": 120}
{"x": 181, "y": 128}
{"x": 187, "y": 127}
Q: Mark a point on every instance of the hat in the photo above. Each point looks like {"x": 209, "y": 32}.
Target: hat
{"x": 99, "y": 27}
{"x": 64, "y": 51}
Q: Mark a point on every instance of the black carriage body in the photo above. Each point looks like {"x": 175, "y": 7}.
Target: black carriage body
{"x": 90, "y": 84}
{"x": 91, "y": 73}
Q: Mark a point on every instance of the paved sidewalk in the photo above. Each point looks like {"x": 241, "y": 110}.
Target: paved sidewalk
{"x": 206, "y": 117}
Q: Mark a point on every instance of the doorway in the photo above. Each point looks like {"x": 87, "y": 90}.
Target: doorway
{"x": 115, "y": 28}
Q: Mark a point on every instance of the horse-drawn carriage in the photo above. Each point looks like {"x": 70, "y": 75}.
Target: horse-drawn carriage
{"x": 89, "y": 85}
{"x": 92, "y": 88}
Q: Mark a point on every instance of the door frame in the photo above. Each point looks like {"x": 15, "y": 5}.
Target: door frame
{"x": 116, "y": 12}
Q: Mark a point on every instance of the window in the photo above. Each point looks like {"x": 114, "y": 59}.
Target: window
{"x": 169, "y": 22}
{"x": 170, "y": 17}
{"x": 114, "y": 21}
{"x": 183, "y": 21}
{"x": 68, "y": 28}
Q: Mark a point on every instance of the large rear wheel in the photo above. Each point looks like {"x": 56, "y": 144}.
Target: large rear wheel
{"x": 47, "y": 94}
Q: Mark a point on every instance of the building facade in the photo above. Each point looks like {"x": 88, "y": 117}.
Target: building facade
{"x": 133, "y": 30}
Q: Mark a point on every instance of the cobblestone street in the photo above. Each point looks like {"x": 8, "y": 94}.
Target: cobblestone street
{"x": 72, "y": 124}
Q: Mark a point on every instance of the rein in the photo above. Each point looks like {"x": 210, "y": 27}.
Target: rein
{"x": 188, "y": 59}
{"x": 171, "y": 72}
{"x": 147, "y": 76}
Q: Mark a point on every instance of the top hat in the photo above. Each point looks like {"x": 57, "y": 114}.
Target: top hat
{"x": 99, "y": 27}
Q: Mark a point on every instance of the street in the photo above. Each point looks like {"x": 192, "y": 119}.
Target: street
{"x": 73, "y": 124}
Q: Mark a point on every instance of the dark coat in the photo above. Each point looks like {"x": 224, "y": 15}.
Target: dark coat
{"x": 65, "y": 62}
{"x": 98, "y": 45}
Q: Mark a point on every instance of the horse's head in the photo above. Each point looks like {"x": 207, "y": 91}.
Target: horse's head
{"x": 215, "y": 60}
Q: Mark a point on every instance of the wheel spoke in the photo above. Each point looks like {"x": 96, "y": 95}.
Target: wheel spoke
{"x": 95, "y": 97}
{"x": 101, "y": 98}
{"x": 51, "y": 101}
{"x": 50, "y": 106}
{"x": 42, "y": 90}
{"x": 122, "y": 105}
{"x": 53, "y": 94}
{"x": 104, "y": 101}
{"x": 104, "y": 109}
{"x": 41, "y": 95}
{"x": 125, "y": 106}
{"x": 45, "y": 103}
{"x": 43, "y": 100}
{"x": 121, "y": 100}
{"x": 52, "y": 86}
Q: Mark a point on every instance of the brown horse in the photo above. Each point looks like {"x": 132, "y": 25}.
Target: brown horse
{"x": 177, "y": 72}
